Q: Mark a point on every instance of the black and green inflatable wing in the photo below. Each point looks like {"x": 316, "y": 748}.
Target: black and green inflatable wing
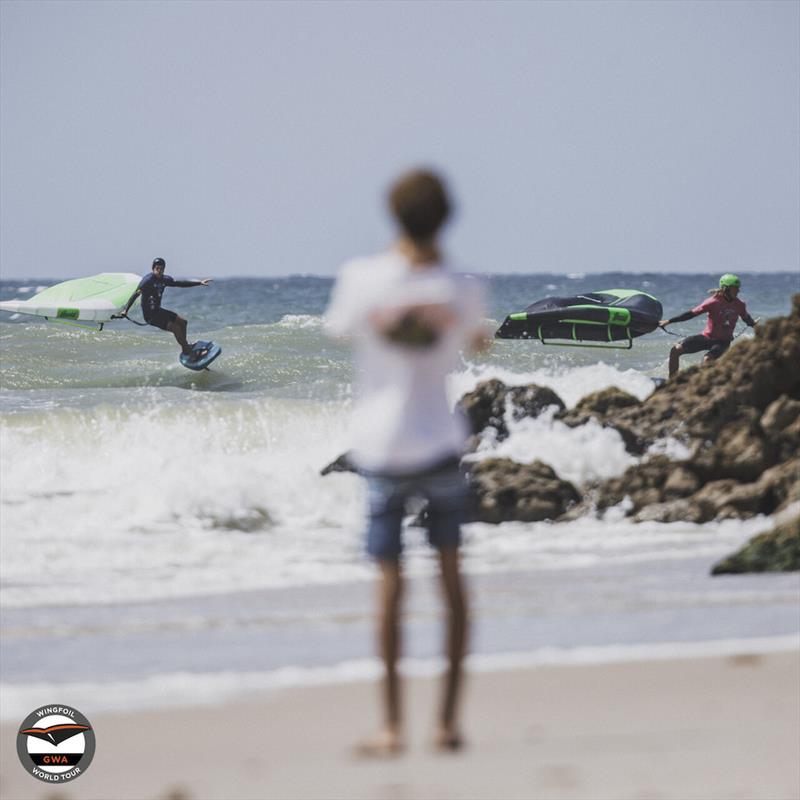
{"x": 613, "y": 315}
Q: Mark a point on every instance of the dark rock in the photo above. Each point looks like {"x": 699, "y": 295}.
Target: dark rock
{"x": 486, "y": 406}
{"x": 532, "y": 400}
{"x": 682, "y": 510}
{"x": 508, "y": 491}
{"x": 643, "y": 483}
{"x": 740, "y": 500}
{"x": 700, "y": 403}
{"x": 781, "y": 425}
{"x": 681, "y": 482}
{"x": 604, "y": 406}
{"x": 742, "y": 453}
{"x": 777, "y": 550}
{"x": 341, "y": 464}
{"x": 781, "y": 485}
{"x": 740, "y": 418}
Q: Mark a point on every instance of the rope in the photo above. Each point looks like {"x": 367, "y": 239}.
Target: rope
{"x": 125, "y": 316}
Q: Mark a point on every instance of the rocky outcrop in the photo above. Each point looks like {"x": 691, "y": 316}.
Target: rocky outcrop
{"x": 507, "y": 491}
{"x": 703, "y": 404}
{"x": 605, "y": 407}
{"x": 777, "y": 550}
{"x": 487, "y": 405}
{"x": 660, "y": 490}
{"x": 739, "y": 419}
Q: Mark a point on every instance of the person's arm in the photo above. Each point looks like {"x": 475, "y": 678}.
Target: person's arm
{"x": 687, "y": 315}
{"x": 746, "y": 318}
{"x": 189, "y": 284}
{"x": 130, "y": 302}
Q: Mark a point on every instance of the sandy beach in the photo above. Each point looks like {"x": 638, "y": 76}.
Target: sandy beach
{"x": 714, "y": 727}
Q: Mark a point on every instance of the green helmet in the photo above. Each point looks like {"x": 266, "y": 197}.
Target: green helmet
{"x": 729, "y": 279}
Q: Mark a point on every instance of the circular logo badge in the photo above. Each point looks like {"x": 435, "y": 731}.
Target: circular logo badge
{"x": 55, "y": 743}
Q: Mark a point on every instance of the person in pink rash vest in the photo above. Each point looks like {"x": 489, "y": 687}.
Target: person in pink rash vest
{"x": 724, "y": 308}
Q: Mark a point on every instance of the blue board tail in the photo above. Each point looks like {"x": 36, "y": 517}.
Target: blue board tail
{"x": 209, "y": 352}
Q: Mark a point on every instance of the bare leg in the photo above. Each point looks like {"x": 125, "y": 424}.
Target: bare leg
{"x": 389, "y": 740}
{"x": 178, "y": 329}
{"x": 674, "y": 358}
{"x": 448, "y": 736}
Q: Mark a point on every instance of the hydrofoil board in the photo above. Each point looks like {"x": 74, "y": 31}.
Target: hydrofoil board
{"x": 209, "y": 352}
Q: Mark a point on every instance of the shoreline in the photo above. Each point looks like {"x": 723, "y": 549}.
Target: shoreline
{"x": 719, "y": 726}
{"x": 186, "y": 690}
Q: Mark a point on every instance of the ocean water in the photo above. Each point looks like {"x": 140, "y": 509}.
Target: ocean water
{"x": 174, "y": 524}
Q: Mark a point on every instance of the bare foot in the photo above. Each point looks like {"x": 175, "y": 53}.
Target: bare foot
{"x": 448, "y": 740}
{"x": 386, "y": 744}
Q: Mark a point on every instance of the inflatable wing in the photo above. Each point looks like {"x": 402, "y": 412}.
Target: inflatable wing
{"x": 93, "y": 299}
{"x": 612, "y": 315}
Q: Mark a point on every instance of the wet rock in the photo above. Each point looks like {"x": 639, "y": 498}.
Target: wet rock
{"x": 508, "y": 491}
{"x": 743, "y": 455}
{"x": 682, "y": 510}
{"x": 604, "y": 406}
{"x": 681, "y": 482}
{"x": 341, "y": 464}
{"x": 532, "y": 400}
{"x": 486, "y": 406}
{"x": 643, "y": 483}
{"x": 739, "y": 500}
{"x": 781, "y": 424}
{"x": 783, "y": 413}
{"x": 777, "y": 550}
{"x": 781, "y": 485}
{"x": 740, "y": 419}
{"x": 700, "y": 403}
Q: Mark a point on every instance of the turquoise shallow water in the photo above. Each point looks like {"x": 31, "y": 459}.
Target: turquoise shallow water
{"x": 138, "y": 498}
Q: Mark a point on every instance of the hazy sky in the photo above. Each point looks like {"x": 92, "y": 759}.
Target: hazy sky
{"x": 257, "y": 138}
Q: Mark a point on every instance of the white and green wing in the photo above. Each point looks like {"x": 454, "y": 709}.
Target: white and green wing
{"x": 94, "y": 299}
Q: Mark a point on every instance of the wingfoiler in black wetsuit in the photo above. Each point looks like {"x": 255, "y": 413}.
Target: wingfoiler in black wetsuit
{"x": 151, "y": 288}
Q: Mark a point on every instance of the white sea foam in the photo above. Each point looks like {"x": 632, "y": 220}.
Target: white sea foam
{"x": 300, "y": 321}
{"x": 184, "y": 689}
{"x": 587, "y": 542}
{"x": 588, "y": 452}
{"x": 672, "y": 448}
{"x": 80, "y": 515}
{"x": 570, "y": 383}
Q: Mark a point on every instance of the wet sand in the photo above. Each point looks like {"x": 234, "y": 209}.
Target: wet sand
{"x": 716, "y": 727}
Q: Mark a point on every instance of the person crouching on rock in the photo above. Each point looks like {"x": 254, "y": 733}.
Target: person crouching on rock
{"x": 724, "y": 309}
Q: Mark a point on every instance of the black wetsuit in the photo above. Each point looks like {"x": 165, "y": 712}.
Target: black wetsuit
{"x": 152, "y": 288}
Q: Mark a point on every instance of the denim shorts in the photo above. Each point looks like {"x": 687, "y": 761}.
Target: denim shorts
{"x": 445, "y": 489}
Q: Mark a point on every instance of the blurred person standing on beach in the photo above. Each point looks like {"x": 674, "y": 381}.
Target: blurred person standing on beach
{"x": 724, "y": 309}
{"x": 409, "y": 317}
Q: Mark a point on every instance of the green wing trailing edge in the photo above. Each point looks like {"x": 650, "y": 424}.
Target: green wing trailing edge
{"x": 95, "y": 299}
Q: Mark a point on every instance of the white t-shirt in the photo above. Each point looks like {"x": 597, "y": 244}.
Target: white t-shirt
{"x": 402, "y": 420}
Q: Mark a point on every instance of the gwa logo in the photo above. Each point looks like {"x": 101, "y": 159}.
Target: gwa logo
{"x": 55, "y": 743}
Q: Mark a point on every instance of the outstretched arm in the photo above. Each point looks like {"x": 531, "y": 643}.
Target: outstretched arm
{"x": 189, "y": 284}
{"x": 748, "y": 320}
{"x": 680, "y": 318}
